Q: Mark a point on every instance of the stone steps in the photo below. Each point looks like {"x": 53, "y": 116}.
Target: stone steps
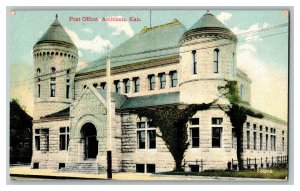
{"x": 86, "y": 167}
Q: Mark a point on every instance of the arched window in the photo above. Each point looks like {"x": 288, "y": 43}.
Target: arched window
{"x": 216, "y": 61}
{"x": 194, "y": 61}
{"x": 38, "y": 71}
{"x": 242, "y": 91}
{"x": 53, "y": 69}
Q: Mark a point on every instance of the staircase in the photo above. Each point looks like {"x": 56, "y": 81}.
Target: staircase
{"x": 85, "y": 167}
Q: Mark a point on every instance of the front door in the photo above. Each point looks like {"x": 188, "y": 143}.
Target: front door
{"x": 91, "y": 149}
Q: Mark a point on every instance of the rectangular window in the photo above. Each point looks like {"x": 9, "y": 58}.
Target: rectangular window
{"x": 267, "y": 129}
{"x": 194, "y": 61}
{"x": 140, "y": 168}
{"x": 267, "y": 140}
{"x": 195, "y": 140}
{"x": 117, "y": 86}
{"x": 37, "y": 140}
{"x": 248, "y": 125}
{"x": 52, "y": 90}
{"x": 282, "y": 143}
{"x": 146, "y": 136}
{"x": 162, "y": 79}
{"x": 174, "y": 78}
{"x": 36, "y": 165}
{"x": 127, "y": 85}
{"x": 260, "y": 128}
{"x": 194, "y": 121}
{"x": 217, "y": 121}
{"x": 136, "y": 84}
{"x": 39, "y": 90}
{"x": 254, "y": 140}
{"x": 248, "y": 139}
{"x": 61, "y": 165}
{"x": 216, "y": 60}
{"x": 234, "y": 139}
{"x": 150, "y": 168}
{"x": 194, "y": 168}
{"x": 64, "y": 136}
{"x": 216, "y": 137}
{"x": 151, "y": 79}
{"x": 68, "y": 91}
{"x": 103, "y": 85}
{"x": 260, "y": 141}
{"x": 254, "y": 127}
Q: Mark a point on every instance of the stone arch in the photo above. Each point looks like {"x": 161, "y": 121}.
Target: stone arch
{"x": 76, "y": 133}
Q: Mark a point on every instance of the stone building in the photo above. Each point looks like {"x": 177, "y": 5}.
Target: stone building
{"x": 161, "y": 65}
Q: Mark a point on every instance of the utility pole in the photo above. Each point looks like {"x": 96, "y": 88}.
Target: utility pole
{"x": 108, "y": 107}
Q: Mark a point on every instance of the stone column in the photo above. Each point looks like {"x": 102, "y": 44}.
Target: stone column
{"x": 168, "y": 80}
{"x": 157, "y": 82}
{"x": 122, "y": 88}
{"x": 132, "y": 86}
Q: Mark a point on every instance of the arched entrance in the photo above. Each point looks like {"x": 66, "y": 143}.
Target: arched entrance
{"x": 89, "y": 136}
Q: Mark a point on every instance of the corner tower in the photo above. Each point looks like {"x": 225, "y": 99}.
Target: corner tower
{"x": 207, "y": 58}
{"x": 55, "y": 60}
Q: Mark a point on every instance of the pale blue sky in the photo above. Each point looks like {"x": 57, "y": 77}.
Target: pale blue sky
{"x": 271, "y": 53}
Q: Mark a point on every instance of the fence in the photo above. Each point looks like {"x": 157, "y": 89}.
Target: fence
{"x": 193, "y": 165}
{"x": 279, "y": 161}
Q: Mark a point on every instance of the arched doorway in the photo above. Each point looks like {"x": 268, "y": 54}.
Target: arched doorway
{"x": 89, "y": 136}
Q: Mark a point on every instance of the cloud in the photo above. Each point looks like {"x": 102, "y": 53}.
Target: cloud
{"x": 81, "y": 64}
{"x": 250, "y": 33}
{"x": 88, "y": 30}
{"x": 122, "y": 26}
{"x": 97, "y": 44}
{"x": 224, "y": 16}
{"x": 269, "y": 85}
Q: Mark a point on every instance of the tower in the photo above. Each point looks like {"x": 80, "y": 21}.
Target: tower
{"x": 207, "y": 59}
{"x": 55, "y": 60}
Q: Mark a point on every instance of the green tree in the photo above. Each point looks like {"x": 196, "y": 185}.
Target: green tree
{"x": 172, "y": 123}
{"x": 20, "y": 134}
{"x": 237, "y": 114}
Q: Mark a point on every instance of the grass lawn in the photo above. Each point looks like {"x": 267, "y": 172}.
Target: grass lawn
{"x": 270, "y": 173}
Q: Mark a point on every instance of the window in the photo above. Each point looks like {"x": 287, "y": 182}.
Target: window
{"x": 53, "y": 79}
{"x": 150, "y": 168}
{"x": 267, "y": 140}
{"x": 242, "y": 91}
{"x": 127, "y": 85}
{"x": 162, "y": 79}
{"x": 174, "y": 78}
{"x": 217, "y": 121}
{"x": 260, "y": 128}
{"x": 254, "y": 140}
{"x": 103, "y": 85}
{"x": 68, "y": 71}
{"x": 216, "y": 137}
{"x": 234, "y": 138}
{"x": 248, "y": 125}
{"x": 260, "y": 141}
{"x": 195, "y": 137}
{"x": 146, "y": 136}
{"x": 52, "y": 90}
{"x": 194, "y": 168}
{"x": 67, "y": 91}
{"x": 64, "y": 136}
{"x": 53, "y": 69}
{"x": 194, "y": 132}
{"x": 95, "y": 85}
{"x": 136, "y": 84}
{"x": 37, "y": 140}
{"x": 282, "y": 143}
{"x": 117, "y": 86}
{"x": 248, "y": 139}
{"x": 36, "y": 165}
{"x": 140, "y": 168}
{"x": 38, "y": 71}
{"x": 216, "y": 61}
{"x": 194, "y": 61}
{"x": 61, "y": 165}
{"x": 151, "y": 79}
{"x": 39, "y": 90}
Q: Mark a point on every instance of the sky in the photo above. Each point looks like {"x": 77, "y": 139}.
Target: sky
{"x": 262, "y": 54}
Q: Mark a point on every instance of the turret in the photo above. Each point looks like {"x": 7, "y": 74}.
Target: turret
{"x": 55, "y": 60}
{"x": 208, "y": 57}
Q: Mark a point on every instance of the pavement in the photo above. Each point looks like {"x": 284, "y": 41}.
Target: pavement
{"x": 26, "y": 173}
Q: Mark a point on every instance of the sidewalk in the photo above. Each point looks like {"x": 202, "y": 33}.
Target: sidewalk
{"x": 27, "y": 172}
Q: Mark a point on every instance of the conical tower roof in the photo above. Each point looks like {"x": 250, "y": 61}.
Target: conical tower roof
{"x": 208, "y": 21}
{"x": 55, "y": 33}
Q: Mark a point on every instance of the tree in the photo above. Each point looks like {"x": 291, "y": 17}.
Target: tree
{"x": 237, "y": 114}
{"x": 20, "y": 134}
{"x": 172, "y": 123}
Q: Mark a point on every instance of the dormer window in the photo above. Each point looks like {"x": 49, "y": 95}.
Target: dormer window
{"x": 216, "y": 61}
